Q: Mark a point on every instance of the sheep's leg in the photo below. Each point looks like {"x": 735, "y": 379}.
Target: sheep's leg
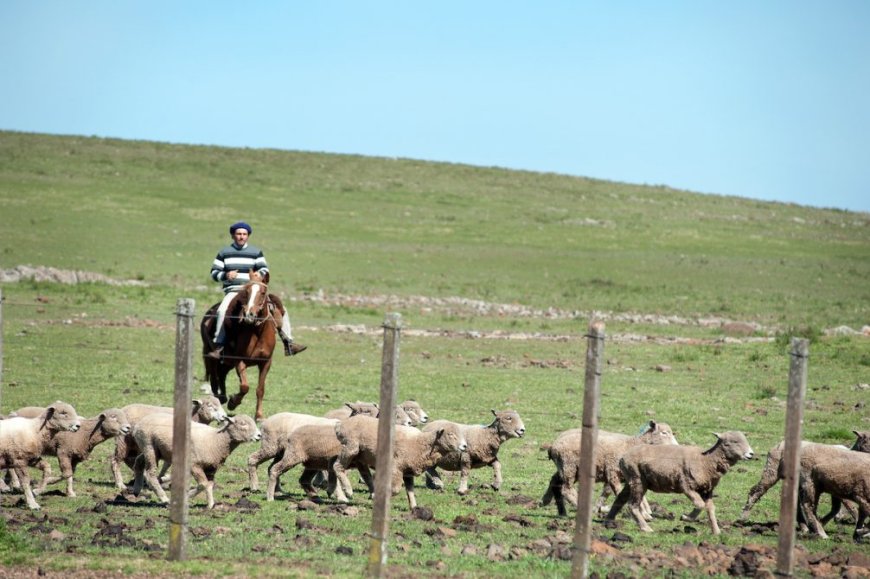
{"x": 341, "y": 474}
{"x": 464, "y": 469}
{"x": 13, "y": 480}
{"x": 343, "y": 490}
{"x": 276, "y": 469}
{"x": 637, "y": 492}
{"x": 809, "y": 503}
{"x": 256, "y": 459}
{"x": 496, "y": 475}
{"x": 692, "y": 516}
{"x": 203, "y": 483}
{"x": 409, "y": 490}
{"x": 704, "y": 502}
{"x": 366, "y": 474}
{"x": 148, "y": 469}
{"x": 349, "y": 451}
{"x": 863, "y": 511}
{"x": 67, "y": 468}
{"x": 433, "y": 479}
{"x": 769, "y": 477}
{"x": 320, "y": 479}
{"x": 305, "y": 482}
{"x": 618, "y": 503}
{"x": 24, "y": 479}
{"x": 46, "y": 478}
{"x": 126, "y": 452}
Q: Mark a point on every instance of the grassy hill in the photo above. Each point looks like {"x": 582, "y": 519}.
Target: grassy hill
{"x": 357, "y": 225}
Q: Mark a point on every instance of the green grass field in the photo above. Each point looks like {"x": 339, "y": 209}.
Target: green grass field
{"x": 667, "y": 270}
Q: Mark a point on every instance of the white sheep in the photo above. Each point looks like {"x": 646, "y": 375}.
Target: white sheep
{"x": 71, "y": 448}
{"x": 23, "y": 441}
{"x": 610, "y": 447}
{"x": 316, "y": 447}
{"x": 845, "y": 475}
{"x": 209, "y": 449}
{"x": 275, "y": 429}
{"x": 773, "y": 467}
{"x": 203, "y": 410}
{"x": 483, "y": 446}
{"x": 678, "y": 469}
{"x": 413, "y": 451}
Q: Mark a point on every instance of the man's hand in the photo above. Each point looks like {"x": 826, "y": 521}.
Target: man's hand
{"x": 232, "y": 274}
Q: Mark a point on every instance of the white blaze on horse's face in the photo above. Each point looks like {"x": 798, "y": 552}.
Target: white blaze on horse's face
{"x": 251, "y": 307}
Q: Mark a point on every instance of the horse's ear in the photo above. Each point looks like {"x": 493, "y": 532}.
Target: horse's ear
{"x": 265, "y": 278}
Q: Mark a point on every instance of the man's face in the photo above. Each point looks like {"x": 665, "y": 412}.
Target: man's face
{"x": 240, "y": 236}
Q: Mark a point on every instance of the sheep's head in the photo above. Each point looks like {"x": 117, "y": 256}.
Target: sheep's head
{"x": 242, "y": 428}
{"x": 735, "y": 446}
{"x": 451, "y": 439}
{"x": 415, "y": 412}
{"x": 509, "y": 424}
{"x": 658, "y": 433}
{"x": 209, "y": 409}
{"x": 364, "y": 408}
{"x": 61, "y": 416}
{"x": 862, "y": 444}
{"x": 114, "y": 422}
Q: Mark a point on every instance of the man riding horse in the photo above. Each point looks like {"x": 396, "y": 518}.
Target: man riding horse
{"x": 234, "y": 266}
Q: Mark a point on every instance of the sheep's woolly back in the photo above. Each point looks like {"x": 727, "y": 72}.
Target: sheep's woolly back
{"x": 668, "y": 468}
{"x": 25, "y": 439}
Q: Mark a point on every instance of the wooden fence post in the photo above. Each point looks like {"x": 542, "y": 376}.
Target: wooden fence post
{"x": 791, "y": 458}
{"x": 589, "y": 441}
{"x": 178, "y": 504}
{"x": 384, "y": 461}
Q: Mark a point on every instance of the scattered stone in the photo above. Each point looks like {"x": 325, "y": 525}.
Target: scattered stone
{"x": 306, "y": 505}
{"x": 423, "y": 513}
{"x": 495, "y": 552}
{"x": 344, "y": 550}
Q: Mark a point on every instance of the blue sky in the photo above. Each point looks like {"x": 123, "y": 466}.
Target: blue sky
{"x": 767, "y": 100}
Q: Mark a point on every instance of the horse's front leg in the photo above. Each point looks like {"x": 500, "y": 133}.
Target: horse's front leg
{"x": 241, "y": 370}
{"x": 261, "y": 387}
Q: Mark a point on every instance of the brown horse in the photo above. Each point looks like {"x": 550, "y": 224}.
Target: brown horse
{"x": 251, "y": 327}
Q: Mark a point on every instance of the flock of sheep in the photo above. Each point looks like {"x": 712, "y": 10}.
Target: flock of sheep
{"x": 346, "y": 438}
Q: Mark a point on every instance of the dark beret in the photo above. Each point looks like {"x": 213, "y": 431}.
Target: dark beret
{"x": 240, "y": 225}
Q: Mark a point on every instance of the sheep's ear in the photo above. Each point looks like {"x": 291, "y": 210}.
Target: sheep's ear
{"x": 856, "y": 433}
{"x": 717, "y": 435}
{"x": 652, "y": 424}
{"x": 197, "y": 404}
{"x": 439, "y": 433}
{"x": 349, "y": 405}
{"x": 494, "y": 413}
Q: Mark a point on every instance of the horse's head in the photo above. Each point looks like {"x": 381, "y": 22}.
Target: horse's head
{"x": 255, "y": 296}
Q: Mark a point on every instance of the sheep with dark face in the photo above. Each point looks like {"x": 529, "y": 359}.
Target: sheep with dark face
{"x": 690, "y": 470}
{"x": 610, "y": 447}
{"x": 24, "y": 440}
{"x": 484, "y": 443}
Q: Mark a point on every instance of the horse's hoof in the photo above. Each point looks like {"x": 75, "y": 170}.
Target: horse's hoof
{"x": 232, "y": 403}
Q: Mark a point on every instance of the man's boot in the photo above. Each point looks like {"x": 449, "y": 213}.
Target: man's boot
{"x": 291, "y": 348}
{"x": 217, "y": 352}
